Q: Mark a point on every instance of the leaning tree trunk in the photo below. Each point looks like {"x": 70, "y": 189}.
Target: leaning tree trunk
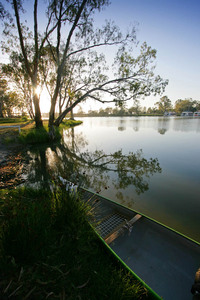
{"x": 60, "y": 118}
{"x": 66, "y": 111}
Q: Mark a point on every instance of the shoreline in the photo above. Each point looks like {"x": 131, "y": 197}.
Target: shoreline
{"x": 11, "y": 165}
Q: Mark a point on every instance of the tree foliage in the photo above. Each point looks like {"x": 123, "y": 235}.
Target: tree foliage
{"x": 10, "y": 101}
{"x": 186, "y": 105}
{"x": 69, "y": 57}
{"x": 16, "y": 74}
{"x": 164, "y": 104}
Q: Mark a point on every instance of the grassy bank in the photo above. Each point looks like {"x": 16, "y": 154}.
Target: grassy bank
{"x": 30, "y": 135}
{"x": 12, "y": 121}
{"x": 35, "y": 136}
{"x": 49, "y": 251}
{"x": 8, "y": 135}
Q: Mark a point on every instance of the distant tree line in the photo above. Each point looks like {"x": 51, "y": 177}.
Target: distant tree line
{"x": 162, "y": 106}
{"x": 116, "y": 111}
{"x": 165, "y": 105}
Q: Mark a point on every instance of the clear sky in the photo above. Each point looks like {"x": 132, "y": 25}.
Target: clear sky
{"x": 172, "y": 27}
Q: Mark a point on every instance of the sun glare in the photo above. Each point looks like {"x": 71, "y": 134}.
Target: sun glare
{"x": 38, "y": 90}
{"x": 45, "y": 102}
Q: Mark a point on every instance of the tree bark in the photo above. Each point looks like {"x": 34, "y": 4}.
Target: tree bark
{"x": 1, "y": 109}
{"x": 72, "y": 115}
{"x": 64, "y": 113}
{"x": 71, "y": 112}
{"x": 38, "y": 117}
{"x": 32, "y": 75}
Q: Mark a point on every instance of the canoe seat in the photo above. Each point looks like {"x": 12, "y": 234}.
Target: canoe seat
{"x": 128, "y": 225}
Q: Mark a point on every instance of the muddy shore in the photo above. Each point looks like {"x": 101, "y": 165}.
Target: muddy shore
{"x": 11, "y": 162}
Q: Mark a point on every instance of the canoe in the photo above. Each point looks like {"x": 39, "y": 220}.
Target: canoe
{"x": 163, "y": 259}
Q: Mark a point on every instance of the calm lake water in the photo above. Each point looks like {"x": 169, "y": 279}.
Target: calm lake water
{"x": 173, "y": 195}
{"x": 150, "y": 164}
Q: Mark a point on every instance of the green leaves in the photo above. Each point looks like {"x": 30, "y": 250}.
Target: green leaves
{"x": 71, "y": 55}
{"x": 164, "y": 104}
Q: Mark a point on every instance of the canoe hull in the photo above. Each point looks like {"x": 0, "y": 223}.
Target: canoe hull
{"x": 164, "y": 259}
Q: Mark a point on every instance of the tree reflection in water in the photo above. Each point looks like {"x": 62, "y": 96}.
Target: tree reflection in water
{"x": 90, "y": 169}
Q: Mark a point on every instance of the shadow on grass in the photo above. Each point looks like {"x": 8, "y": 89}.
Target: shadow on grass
{"x": 49, "y": 251}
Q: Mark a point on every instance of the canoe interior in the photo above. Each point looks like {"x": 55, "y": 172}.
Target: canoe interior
{"x": 165, "y": 260}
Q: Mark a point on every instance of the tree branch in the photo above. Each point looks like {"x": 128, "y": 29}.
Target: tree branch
{"x": 61, "y": 66}
{"x": 21, "y": 39}
{"x": 78, "y": 15}
{"x": 58, "y": 33}
{"x": 95, "y": 46}
{"x": 36, "y": 57}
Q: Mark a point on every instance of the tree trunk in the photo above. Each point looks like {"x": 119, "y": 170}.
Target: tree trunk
{"x": 1, "y": 109}
{"x": 68, "y": 109}
{"x": 60, "y": 71}
{"x": 60, "y": 118}
{"x": 52, "y": 110}
{"x": 51, "y": 121}
{"x": 72, "y": 113}
{"x": 53, "y": 102}
{"x": 38, "y": 117}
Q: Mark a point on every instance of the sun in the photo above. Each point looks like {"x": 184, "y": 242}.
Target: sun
{"x": 38, "y": 91}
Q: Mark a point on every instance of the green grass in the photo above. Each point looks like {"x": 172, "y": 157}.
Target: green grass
{"x": 70, "y": 123}
{"x": 38, "y": 136}
{"x": 13, "y": 120}
{"x": 9, "y": 140}
{"x": 10, "y": 136}
{"x": 48, "y": 250}
{"x": 29, "y": 134}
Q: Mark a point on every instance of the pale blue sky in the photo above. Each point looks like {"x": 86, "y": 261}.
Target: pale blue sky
{"x": 172, "y": 27}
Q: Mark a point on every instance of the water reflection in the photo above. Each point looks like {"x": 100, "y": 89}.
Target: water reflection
{"x": 136, "y": 129}
{"x": 173, "y": 196}
{"x": 162, "y": 130}
{"x": 72, "y": 160}
{"x": 160, "y": 124}
{"x": 121, "y": 128}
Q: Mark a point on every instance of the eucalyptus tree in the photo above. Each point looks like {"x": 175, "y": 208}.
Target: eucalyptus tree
{"x": 48, "y": 68}
{"x": 186, "y": 105}
{"x": 164, "y": 104}
{"x": 16, "y": 75}
{"x": 81, "y": 69}
{"x": 29, "y": 47}
{"x": 10, "y": 101}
